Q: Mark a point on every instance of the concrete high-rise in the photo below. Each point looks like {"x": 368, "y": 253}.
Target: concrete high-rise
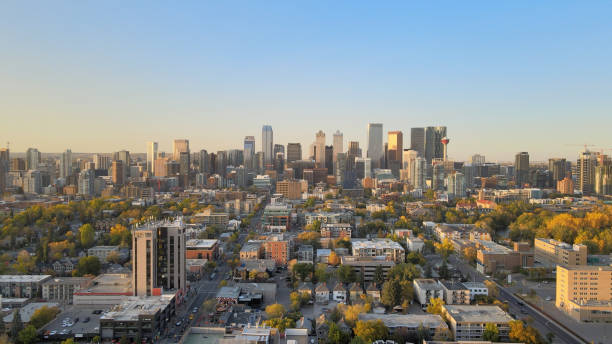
{"x": 4, "y": 167}
{"x": 585, "y": 172}
{"x": 66, "y": 164}
{"x": 338, "y": 144}
{"x": 204, "y": 162}
{"x": 158, "y": 257}
{"x": 249, "y": 152}
{"x": 179, "y": 146}
{"x": 294, "y": 152}
{"x": 151, "y": 156}
{"x": 478, "y": 159}
{"x": 267, "y": 144}
{"x": 319, "y": 149}
{"x": 418, "y": 173}
{"x": 102, "y": 162}
{"x": 86, "y": 183}
{"x": 118, "y": 172}
{"x": 375, "y": 144}
{"x": 603, "y": 179}
{"x": 521, "y": 168}
{"x": 32, "y": 159}
{"x": 123, "y": 156}
{"x": 456, "y": 185}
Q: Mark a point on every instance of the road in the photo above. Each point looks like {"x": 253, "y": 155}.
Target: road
{"x": 540, "y": 321}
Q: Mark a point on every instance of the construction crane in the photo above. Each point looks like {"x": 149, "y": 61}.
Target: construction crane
{"x": 585, "y": 145}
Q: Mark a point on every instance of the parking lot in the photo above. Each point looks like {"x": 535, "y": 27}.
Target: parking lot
{"x": 74, "y": 322}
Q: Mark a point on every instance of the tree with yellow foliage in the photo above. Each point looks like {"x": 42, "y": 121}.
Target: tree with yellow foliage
{"x": 333, "y": 259}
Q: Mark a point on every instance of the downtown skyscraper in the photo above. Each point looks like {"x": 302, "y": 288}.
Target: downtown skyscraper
{"x": 249, "y": 152}
{"x": 375, "y": 144}
{"x": 151, "y": 156}
{"x": 267, "y": 144}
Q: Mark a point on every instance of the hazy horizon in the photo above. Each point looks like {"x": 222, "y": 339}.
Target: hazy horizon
{"x": 503, "y": 77}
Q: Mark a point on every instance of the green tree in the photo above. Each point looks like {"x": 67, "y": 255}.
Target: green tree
{"x": 275, "y": 311}
{"x": 87, "y": 235}
{"x": 371, "y": 330}
{"x": 379, "y": 275}
{"x": 336, "y": 335}
{"x": 25, "y": 263}
{"x": 490, "y": 333}
{"x": 302, "y": 270}
{"x": 96, "y": 339}
{"x": 28, "y": 335}
{"x": 88, "y": 266}
{"x": 321, "y": 274}
{"x": 391, "y": 293}
{"x": 43, "y": 315}
{"x": 16, "y": 325}
{"x": 280, "y": 323}
{"x": 346, "y": 274}
{"x": 71, "y": 341}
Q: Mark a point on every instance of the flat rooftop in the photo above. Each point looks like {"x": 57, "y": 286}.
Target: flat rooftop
{"x": 477, "y": 313}
{"x": 427, "y": 283}
{"x": 406, "y": 320}
{"x": 379, "y": 244}
{"x": 493, "y": 247}
{"x": 201, "y": 243}
{"x": 23, "y": 278}
{"x": 26, "y": 311}
{"x": 133, "y": 307}
{"x": 586, "y": 267}
{"x": 68, "y": 280}
{"x": 453, "y": 285}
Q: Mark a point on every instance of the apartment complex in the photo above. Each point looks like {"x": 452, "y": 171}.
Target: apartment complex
{"x": 61, "y": 289}
{"x": 468, "y": 322}
{"x": 585, "y": 292}
{"x": 553, "y": 252}
{"x": 290, "y": 189}
{"x": 158, "y": 257}
{"x": 387, "y": 248}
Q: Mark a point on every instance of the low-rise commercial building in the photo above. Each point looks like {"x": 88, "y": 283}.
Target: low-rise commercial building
{"x": 18, "y": 286}
{"x": 61, "y": 289}
{"x": 202, "y": 249}
{"x": 142, "y": 318}
{"x": 435, "y": 326}
{"x": 492, "y": 258}
{"x": 105, "y": 289}
{"x": 468, "y": 322}
{"x": 552, "y": 252}
{"x": 252, "y": 250}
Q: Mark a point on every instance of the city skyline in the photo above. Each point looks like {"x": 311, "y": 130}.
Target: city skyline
{"x": 498, "y": 71}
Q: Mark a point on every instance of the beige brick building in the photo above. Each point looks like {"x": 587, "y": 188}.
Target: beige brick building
{"x": 585, "y": 292}
{"x": 552, "y": 252}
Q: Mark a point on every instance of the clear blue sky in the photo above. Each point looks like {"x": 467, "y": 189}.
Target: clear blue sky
{"x": 99, "y": 76}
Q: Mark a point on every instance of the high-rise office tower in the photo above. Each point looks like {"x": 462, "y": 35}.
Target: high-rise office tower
{"x": 603, "y": 179}
{"x": 338, "y": 144}
{"x": 521, "y": 168}
{"x": 478, "y": 159}
{"x": 86, "y": 183}
{"x": 279, "y": 149}
{"x": 32, "y": 159}
{"x": 32, "y": 182}
{"x": 267, "y": 144}
{"x": 585, "y": 172}
{"x": 395, "y": 148}
{"x": 260, "y": 162}
{"x": 279, "y": 162}
{"x": 204, "y": 162}
{"x": 557, "y": 168}
{"x": 4, "y": 167}
{"x": 179, "y": 146}
{"x": 340, "y": 170}
{"x": 329, "y": 159}
{"x": 456, "y": 185}
{"x": 158, "y": 257}
{"x": 221, "y": 162}
{"x": 235, "y": 157}
{"x": 417, "y": 140}
{"x": 294, "y": 152}
{"x": 353, "y": 153}
{"x": 117, "y": 172}
{"x": 123, "y": 156}
{"x": 184, "y": 168}
{"x": 434, "y": 149}
{"x": 418, "y": 173}
{"x": 437, "y": 177}
{"x": 363, "y": 168}
{"x": 375, "y": 144}
{"x": 319, "y": 149}
{"x": 151, "y": 156}
{"x": 408, "y": 156}
{"x": 249, "y": 152}
{"x": 66, "y": 164}
{"x": 101, "y": 162}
